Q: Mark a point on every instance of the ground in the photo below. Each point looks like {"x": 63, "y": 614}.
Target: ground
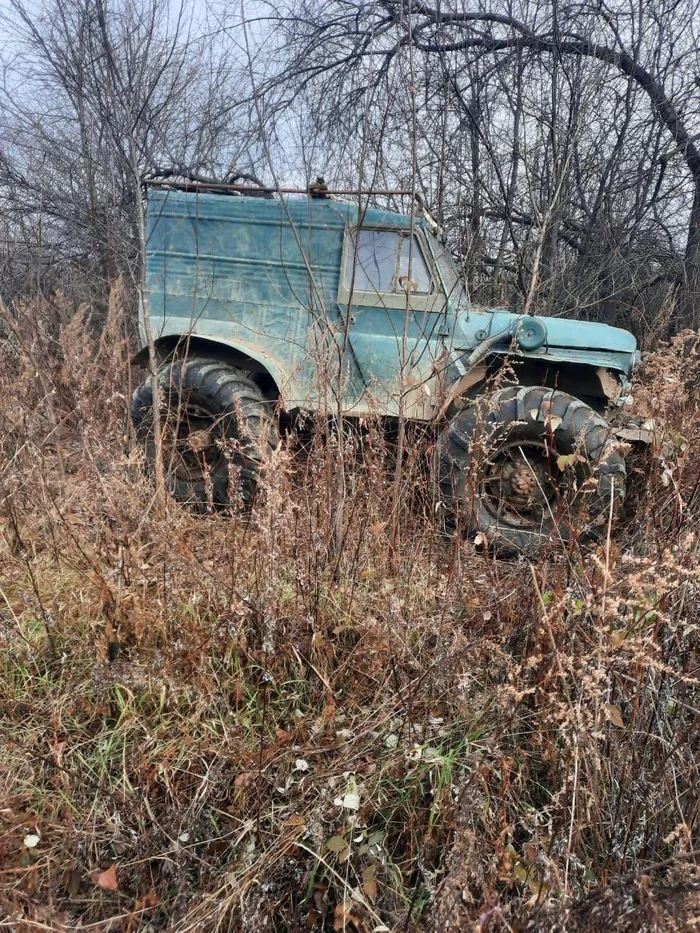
{"x": 289, "y": 721}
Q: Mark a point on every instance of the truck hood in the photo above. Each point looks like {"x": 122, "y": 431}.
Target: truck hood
{"x": 578, "y": 341}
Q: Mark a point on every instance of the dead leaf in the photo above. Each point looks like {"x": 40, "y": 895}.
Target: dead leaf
{"x": 244, "y": 779}
{"x": 370, "y": 888}
{"x": 336, "y": 844}
{"x": 369, "y": 882}
{"x": 566, "y": 460}
{"x": 57, "y": 749}
{"x": 614, "y": 715}
{"x": 342, "y": 916}
{"x": 108, "y": 879}
{"x": 72, "y": 882}
{"x": 319, "y": 897}
{"x": 147, "y": 902}
{"x": 339, "y": 847}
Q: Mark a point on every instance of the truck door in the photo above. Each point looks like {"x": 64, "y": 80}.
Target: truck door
{"x": 394, "y": 306}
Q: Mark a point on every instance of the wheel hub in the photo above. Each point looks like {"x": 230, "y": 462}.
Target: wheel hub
{"x": 200, "y": 440}
{"x": 522, "y": 480}
{"x": 518, "y": 486}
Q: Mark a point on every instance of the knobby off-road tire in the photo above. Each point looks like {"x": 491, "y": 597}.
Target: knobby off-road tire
{"x": 528, "y": 467}
{"x": 216, "y": 427}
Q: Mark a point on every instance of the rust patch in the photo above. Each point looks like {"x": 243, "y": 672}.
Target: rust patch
{"x": 469, "y": 379}
{"x": 609, "y": 384}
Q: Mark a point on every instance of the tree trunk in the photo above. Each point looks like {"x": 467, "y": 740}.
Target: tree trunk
{"x": 688, "y": 308}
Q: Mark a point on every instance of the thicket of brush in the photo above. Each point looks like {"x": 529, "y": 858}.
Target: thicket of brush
{"x": 281, "y": 723}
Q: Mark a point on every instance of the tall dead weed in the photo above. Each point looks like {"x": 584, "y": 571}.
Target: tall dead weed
{"x": 273, "y": 722}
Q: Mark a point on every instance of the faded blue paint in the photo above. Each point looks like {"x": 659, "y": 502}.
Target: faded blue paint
{"x": 264, "y": 276}
{"x": 561, "y": 332}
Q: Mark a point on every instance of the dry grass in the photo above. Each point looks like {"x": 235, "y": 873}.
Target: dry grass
{"x": 276, "y": 723}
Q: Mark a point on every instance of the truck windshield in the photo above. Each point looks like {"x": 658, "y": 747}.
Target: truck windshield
{"x": 452, "y": 280}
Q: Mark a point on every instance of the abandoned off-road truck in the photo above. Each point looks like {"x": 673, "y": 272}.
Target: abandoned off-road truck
{"x": 262, "y": 303}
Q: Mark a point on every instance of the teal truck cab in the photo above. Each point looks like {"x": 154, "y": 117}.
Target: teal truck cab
{"x": 265, "y": 304}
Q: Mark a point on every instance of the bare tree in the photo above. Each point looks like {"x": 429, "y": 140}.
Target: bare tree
{"x": 556, "y": 143}
{"x": 102, "y": 95}
{"x": 129, "y": 88}
{"x": 561, "y": 140}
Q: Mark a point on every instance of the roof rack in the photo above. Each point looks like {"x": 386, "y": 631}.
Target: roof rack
{"x": 312, "y": 190}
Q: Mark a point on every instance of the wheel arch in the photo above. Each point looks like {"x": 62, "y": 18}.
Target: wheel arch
{"x": 263, "y": 371}
{"x": 594, "y": 384}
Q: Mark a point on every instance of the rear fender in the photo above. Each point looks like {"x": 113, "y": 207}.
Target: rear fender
{"x": 263, "y": 370}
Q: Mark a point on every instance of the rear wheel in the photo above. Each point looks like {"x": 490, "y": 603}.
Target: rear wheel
{"x": 217, "y": 430}
{"x": 527, "y": 467}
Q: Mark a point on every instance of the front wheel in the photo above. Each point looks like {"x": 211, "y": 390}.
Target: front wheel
{"x": 528, "y": 467}
{"x": 216, "y": 430}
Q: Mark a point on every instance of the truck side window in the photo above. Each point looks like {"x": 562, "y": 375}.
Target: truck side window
{"x": 380, "y": 263}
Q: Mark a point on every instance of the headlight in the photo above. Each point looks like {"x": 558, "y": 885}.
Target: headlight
{"x": 530, "y": 334}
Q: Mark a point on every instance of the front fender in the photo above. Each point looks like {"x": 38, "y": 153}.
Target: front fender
{"x": 578, "y": 342}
